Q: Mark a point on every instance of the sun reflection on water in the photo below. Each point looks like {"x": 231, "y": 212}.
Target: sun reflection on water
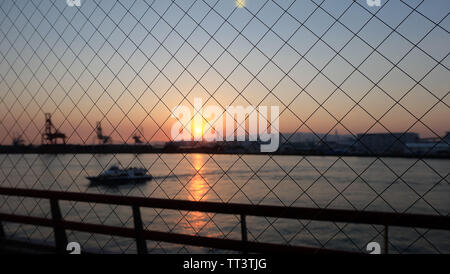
{"x": 198, "y": 191}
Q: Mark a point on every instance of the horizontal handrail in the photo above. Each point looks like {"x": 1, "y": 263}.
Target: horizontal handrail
{"x": 169, "y": 237}
{"x": 316, "y": 214}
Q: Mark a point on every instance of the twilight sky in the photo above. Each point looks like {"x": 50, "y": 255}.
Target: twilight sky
{"x": 329, "y": 65}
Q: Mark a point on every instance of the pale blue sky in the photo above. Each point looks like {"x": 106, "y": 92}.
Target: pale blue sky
{"x": 300, "y": 55}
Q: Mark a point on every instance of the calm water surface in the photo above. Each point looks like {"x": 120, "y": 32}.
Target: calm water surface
{"x": 386, "y": 184}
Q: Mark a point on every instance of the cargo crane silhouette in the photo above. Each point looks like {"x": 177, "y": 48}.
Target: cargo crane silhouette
{"x": 18, "y": 140}
{"x": 102, "y": 139}
{"x": 51, "y": 133}
{"x": 137, "y": 137}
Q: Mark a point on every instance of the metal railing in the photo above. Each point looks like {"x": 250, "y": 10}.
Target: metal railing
{"x": 244, "y": 245}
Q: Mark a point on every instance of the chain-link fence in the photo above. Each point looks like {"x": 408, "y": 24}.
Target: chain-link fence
{"x": 362, "y": 91}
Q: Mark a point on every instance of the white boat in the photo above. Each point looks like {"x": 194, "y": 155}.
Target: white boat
{"x": 117, "y": 175}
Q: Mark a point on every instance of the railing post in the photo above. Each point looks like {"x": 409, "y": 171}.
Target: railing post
{"x": 2, "y": 231}
{"x": 386, "y": 240}
{"x": 140, "y": 241}
{"x": 244, "y": 230}
{"x": 60, "y": 233}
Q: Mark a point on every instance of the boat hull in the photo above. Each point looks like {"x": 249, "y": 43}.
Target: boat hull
{"x": 119, "y": 180}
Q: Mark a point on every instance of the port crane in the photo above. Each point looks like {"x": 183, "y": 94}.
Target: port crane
{"x": 51, "y": 134}
{"x": 18, "y": 140}
{"x": 102, "y": 139}
{"x": 137, "y": 136}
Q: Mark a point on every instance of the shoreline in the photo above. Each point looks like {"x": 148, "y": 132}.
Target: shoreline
{"x": 148, "y": 149}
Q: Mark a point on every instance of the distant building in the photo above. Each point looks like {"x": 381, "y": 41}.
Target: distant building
{"x": 440, "y": 148}
{"x": 385, "y": 143}
{"x": 436, "y": 147}
{"x": 447, "y": 138}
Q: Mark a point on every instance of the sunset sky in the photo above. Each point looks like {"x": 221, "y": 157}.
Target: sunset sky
{"x": 129, "y": 63}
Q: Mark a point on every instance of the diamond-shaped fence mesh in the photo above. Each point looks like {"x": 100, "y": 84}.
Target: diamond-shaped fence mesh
{"x": 362, "y": 91}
